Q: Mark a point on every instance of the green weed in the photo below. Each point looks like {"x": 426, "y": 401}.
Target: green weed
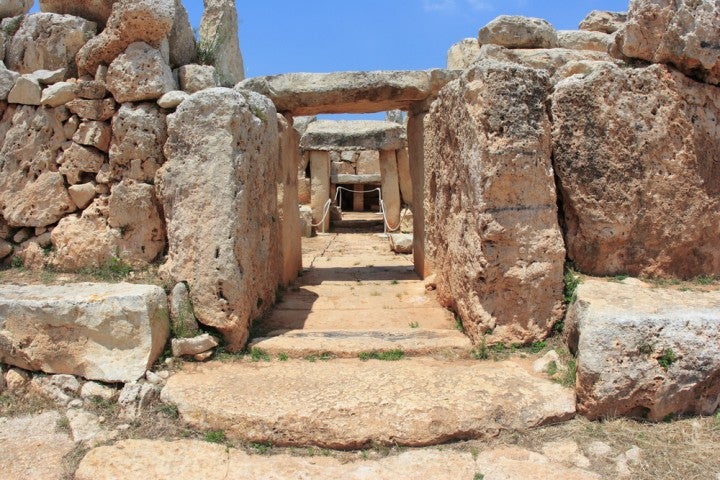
{"x": 259, "y": 355}
{"x": 414, "y": 325}
{"x": 459, "y": 324}
{"x": 215, "y": 436}
{"x": 324, "y": 357}
{"x": 481, "y": 353}
{"x": 538, "y": 347}
{"x": 261, "y": 447}
{"x": 388, "y": 356}
{"x": 283, "y": 357}
{"x": 572, "y": 281}
{"x": 552, "y": 368}
{"x": 667, "y": 358}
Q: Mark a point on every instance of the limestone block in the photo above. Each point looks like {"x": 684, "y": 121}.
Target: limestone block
{"x": 100, "y": 110}
{"x": 181, "y": 39}
{"x": 682, "y": 33}
{"x": 603, "y": 21}
{"x": 401, "y": 242}
{"x": 97, "y": 11}
{"x": 219, "y": 45}
{"x": 306, "y": 228}
{"x": 193, "y": 346}
{"x": 84, "y": 241}
{"x": 105, "y": 332}
{"x": 329, "y": 135}
{"x": 194, "y": 78}
{"x": 90, "y": 89}
{"x": 13, "y": 8}
{"x": 390, "y": 185}
{"x": 463, "y": 54}
{"x": 139, "y": 74}
{"x": 6, "y": 249}
{"x": 94, "y": 389}
{"x": 172, "y": 99}
{"x": 58, "y": 94}
{"x": 644, "y": 351}
{"x": 349, "y": 92}
{"x": 405, "y": 176}
{"x": 82, "y": 195}
{"x": 26, "y": 91}
{"x": 7, "y": 81}
{"x": 219, "y": 195}
{"x": 131, "y": 21}
{"x": 497, "y": 248}
{"x": 640, "y": 184}
{"x": 368, "y": 162}
{"x": 320, "y": 189}
{"x": 288, "y": 210}
{"x": 48, "y": 41}
{"x": 49, "y": 77}
{"x": 514, "y": 31}
{"x": 78, "y": 159}
{"x": 138, "y": 135}
{"x": 42, "y": 202}
{"x": 70, "y": 126}
{"x": 94, "y": 134}
{"x": 584, "y": 40}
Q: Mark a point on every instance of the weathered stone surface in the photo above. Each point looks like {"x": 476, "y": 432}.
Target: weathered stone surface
{"x": 6, "y": 249}
{"x": 193, "y": 346}
{"x": 86, "y": 428}
{"x": 682, "y": 33}
{"x": 131, "y": 21}
{"x": 327, "y": 135}
{"x": 48, "y": 41}
{"x": 82, "y": 195}
{"x": 26, "y": 91}
{"x": 181, "y": 311}
{"x": 401, "y": 242}
{"x": 49, "y": 77}
{"x": 13, "y": 8}
{"x": 514, "y": 31}
{"x": 138, "y": 135}
{"x": 390, "y": 184}
{"x": 58, "y": 94}
{"x": 135, "y": 397}
{"x": 349, "y": 92}
{"x": 100, "y": 110}
{"x": 79, "y": 159}
{"x": 405, "y": 176}
{"x": 32, "y": 448}
{"x": 432, "y": 401}
{"x": 497, "y": 247}
{"x": 603, "y": 21}
{"x": 320, "y": 189}
{"x": 516, "y": 463}
{"x": 139, "y": 74}
{"x": 172, "y": 99}
{"x": 97, "y": 11}
{"x": 181, "y": 39}
{"x": 640, "y": 186}
{"x": 218, "y": 190}
{"x": 549, "y": 59}
{"x": 7, "y": 81}
{"x": 127, "y": 224}
{"x": 463, "y": 54}
{"x": 584, "y": 40}
{"x": 90, "y": 89}
{"x": 105, "y": 332}
{"x": 157, "y": 459}
{"x": 94, "y": 134}
{"x": 644, "y": 351}
{"x": 289, "y": 212}
{"x": 41, "y": 202}
{"x": 219, "y": 44}
{"x": 194, "y": 78}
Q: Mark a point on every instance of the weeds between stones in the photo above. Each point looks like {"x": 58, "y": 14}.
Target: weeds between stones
{"x": 388, "y": 356}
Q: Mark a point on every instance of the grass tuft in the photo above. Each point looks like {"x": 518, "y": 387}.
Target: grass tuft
{"x": 388, "y": 356}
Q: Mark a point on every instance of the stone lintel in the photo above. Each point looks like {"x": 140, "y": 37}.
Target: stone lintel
{"x": 326, "y": 135}
{"x": 355, "y": 179}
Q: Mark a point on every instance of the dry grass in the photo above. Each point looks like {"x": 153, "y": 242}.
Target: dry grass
{"x": 23, "y": 276}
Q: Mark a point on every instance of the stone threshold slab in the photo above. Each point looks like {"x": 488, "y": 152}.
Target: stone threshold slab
{"x": 350, "y": 404}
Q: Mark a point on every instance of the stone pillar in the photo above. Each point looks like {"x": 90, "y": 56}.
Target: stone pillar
{"x": 403, "y": 159}
{"x": 390, "y": 185}
{"x": 320, "y": 187}
{"x": 416, "y": 149}
{"x": 358, "y": 198}
{"x": 289, "y": 211}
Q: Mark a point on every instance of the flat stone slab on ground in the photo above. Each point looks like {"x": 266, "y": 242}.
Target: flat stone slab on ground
{"x": 30, "y": 447}
{"x": 105, "y": 332}
{"x": 328, "y": 135}
{"x": 347, "y": 404}
{"x": 349, "y": 92}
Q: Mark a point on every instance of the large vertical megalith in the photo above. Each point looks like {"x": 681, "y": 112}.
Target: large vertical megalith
{"x": 491, "y": 214}
{"x": 219, "y": 44}
{"x": 320, "y": 188}
{"x": 218, "y": 189}
{"x": 287, "y": 199}
{"x": 390, "y": 184}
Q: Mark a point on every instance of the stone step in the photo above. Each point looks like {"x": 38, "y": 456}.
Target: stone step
{"x": 351, "y": 404}
{"x": 358, "y": 319}
{"x": 351, "y": 343}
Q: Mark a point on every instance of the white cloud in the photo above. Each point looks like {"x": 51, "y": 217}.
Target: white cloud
{"x": 438, "y": 5}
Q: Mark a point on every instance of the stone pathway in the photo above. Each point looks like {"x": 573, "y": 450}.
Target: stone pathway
{"x": 358, "y": 296}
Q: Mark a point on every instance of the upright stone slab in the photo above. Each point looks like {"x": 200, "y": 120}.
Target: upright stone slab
{"x": 390, "y": 185}
{"x": 491, "y": 216}
{"x": 405, "y": 176}
{"x": 644, "y": 351}
{"x": 287, "y": 200}
{"x": 219, "y": 44}
{"x": 218, "y": 189}
{"x": 416, "y": 151}
{"x": 320, "y": 188}
{"x": 105, "y": 332}
{"x": 635, "y": 152}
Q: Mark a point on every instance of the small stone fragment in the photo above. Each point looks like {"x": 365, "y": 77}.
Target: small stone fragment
{"x": 26, "y": 91}
{"x": 94, "y": 134}
{"x": 181, "y": 311}
{"x": 542, "y": 364}
{"x": 58, "y": 94}
{"x": 193, "y": 346}
{"x": 16, "y": 380}
{"x": 49, "y": 77}
{"x": 100, "y": 110}
{"x": 194, "y": 78}
{"x": 139, "y": 74}
{"x": 90, "y": 390}
{"x": 82, "y": 195}
{"x": 401, "y": 242}
{"x": 79, "y": 159}
{"x": 172, "y": 99}
{"x": 91, "y": 89}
